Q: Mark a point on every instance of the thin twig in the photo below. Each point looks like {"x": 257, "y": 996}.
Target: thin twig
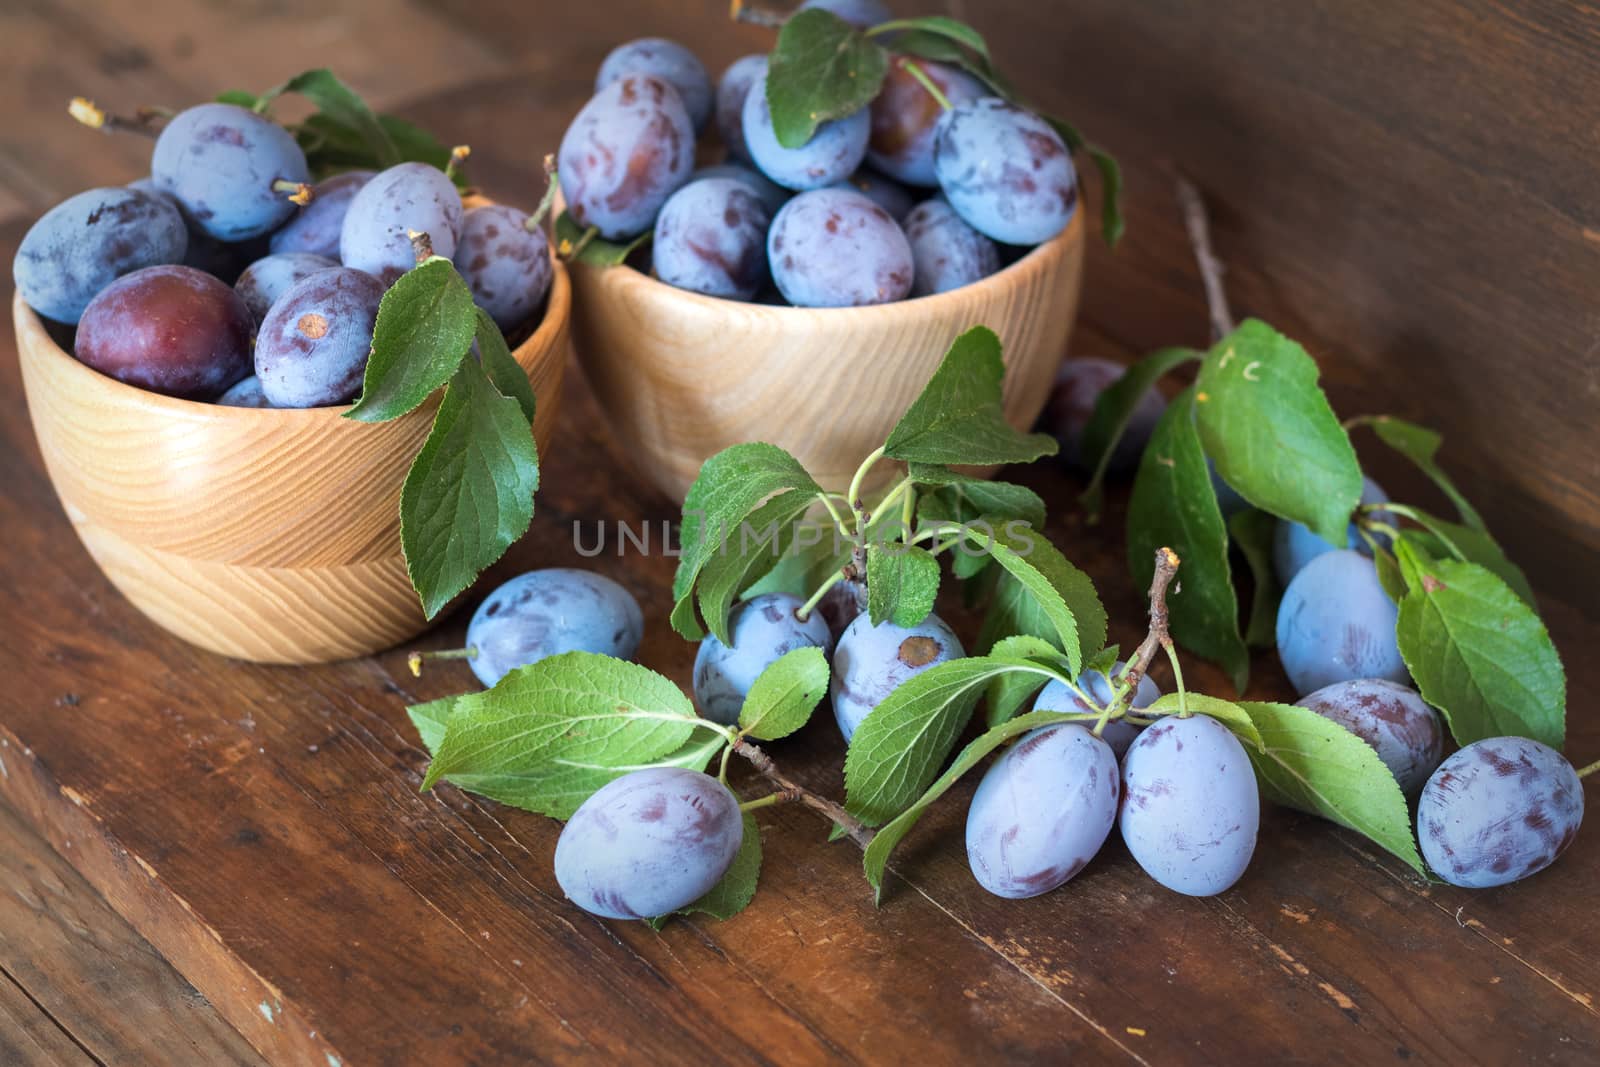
{"x": 1211, "y": 269}
{"x": 95, "y": 117}
{"x": 1166, "y": 567}
{"x": 853, "y": 827}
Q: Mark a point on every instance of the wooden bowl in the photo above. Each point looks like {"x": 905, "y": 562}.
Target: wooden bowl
{"x": 682, "y": 376}
{"x": 263, "y": 534}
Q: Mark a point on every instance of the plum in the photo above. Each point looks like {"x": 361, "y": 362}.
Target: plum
{"x": 1078, "y": 385}
{"x": 872, "y": 661}
{"x": 833, "y": 248}
{"x": 88, "y": 241}
{"x": 1042, "y": 811}
{"x": 505, "y": 264}
{"x": 946, "y": 253}
{"x": 833, "y": 153}
{"x": 1404, "y": 731}
{"x": 629, "y": 149}
{"x": 887, "y": 193}
{"x": 1497, "y": 811}
{"x": 220, "y": 162}
{"x": 547, "y": 612}
{"x": 732, "y": 88}
{"x": 1119, "y": 734}
{"x": 1005, "y": 170}
{"x": 763, "y": 629}
{"x": 1335, "y": 624}
{"x": 671, "y": 62}
{"x": 711, "y": 238}
{"x": 268, "y": 278}
{"x": 375, "y": 236}
{"x": 1294, "y": 545}
{"x": 246, "y": 394}
{"x": 316, "y": 228}
{"x": 312, "y": 348}
{"x": 905, "y": 115}
{"x": 649, "y": 843}
{"x": 169, "y": 329}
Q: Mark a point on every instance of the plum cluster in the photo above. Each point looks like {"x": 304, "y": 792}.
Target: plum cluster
{"x": 226, "y": 276}
{"x": 931, "y": 187}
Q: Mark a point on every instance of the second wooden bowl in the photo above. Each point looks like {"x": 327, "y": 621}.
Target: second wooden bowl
{"x": 682, "y": 376}
{"x": 263, "y": 534}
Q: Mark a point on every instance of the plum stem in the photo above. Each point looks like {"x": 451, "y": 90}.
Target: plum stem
{"x": 1166, "y": 568}
{"x": 789, "y": 789}
{"x": 803, "y": 612}
{"x": 763, "y": 802}
{"x": 299, "y": 192}
{"x": 95, "y": 117}
{"x": 547, "y": 201}
{"x": 571, "y": 250}
{"x": 1177, "y": 674}
{"x": 915, "y": 70}
{"x": 416, "y": 659}
{"x": 458, "y": 156}
{"x": 833, "y": 513}
{"x": 1211, "y": 268}
{"x": 421, "y": 245}
{"x": 1584, "y": 772}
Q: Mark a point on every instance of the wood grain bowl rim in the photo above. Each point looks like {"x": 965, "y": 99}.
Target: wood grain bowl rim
{"x": 81, "y": 376}
{"x": 1042, "y": 258}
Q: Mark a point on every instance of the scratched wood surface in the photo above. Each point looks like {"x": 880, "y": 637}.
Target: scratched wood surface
{"x": 260, "y": 826}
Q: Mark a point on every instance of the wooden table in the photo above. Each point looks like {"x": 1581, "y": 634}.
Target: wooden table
{"x": 261, "y": 828}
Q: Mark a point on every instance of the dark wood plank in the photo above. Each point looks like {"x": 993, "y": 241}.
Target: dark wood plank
{"x": 29, "y": 1036}
{"x": 99, "y": 981}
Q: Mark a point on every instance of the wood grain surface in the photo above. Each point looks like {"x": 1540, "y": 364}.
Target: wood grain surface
{"x": 1402, "y": 186}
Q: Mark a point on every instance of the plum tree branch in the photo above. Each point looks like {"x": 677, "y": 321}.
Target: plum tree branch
{"x": 854, "y": 828}
{"x": 1211, "y": 268}
{"x": 1166, "y": 569}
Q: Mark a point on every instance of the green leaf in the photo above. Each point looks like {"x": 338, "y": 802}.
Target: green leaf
{"x": 902, "y": 582}
{"x": 737, "y": 888}
{"x": 1468, "y": 544}
{"x": 341, "y": 105}
{"x": 1252, "y": 532}
{"x": 425, "y": 326}
{"x": 469, "y": 493}
{"x": 1389, "y": 575}
{"x": 1229, "y": 714}
{"x": 728, "y": 488}
{"x": 884, "y": 842}
{"x": 1174, "y": 505}
{"x": 1061, "y": 595}
{"x": 1420, "y": 445}
{"x": 1478, "y": 653}
{"x": 1103, "y": 661}
{"x": 821, "y": 69}
{"x": 502, "y": 368}
{"x": 784, "y": 695}
{"x": 1008, "y": 692}
{"x": 571, "y": 718}
{"x": 1113, "y": 410}
{"x": 760, "y": 541}
{"x": 901, "y": 744}
{"x": 958, "y": 418}
{"x": 1313, "y": 764}
{"x": 597, "y": 251}
{"x": 239, "y": 98}
{"x": 940, "y": 26}
{"x": 1266, "y": 424}
{"x": 417, "y": 145}
{"x": 1111, "y": 225}
{"x": 430, "y": 719}
{"x": 960, "y": 497}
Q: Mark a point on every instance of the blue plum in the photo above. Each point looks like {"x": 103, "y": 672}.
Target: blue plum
{"x": 905, "y": 116}
{"x": 862, "y": 14}
{"x": 946, "y": 253}
{"x": 629, "y": 149}
{"x": 649, "y": 843}
{"x": 88, "y": 241}
{"x": 833, "y": 248}
{"x": 887, "y": 193}
{"x": 711, "y": 238}
{"x": 226, "y": 260}
{"x": 220, "y": 162}
{"x": 375, "y": 236}
{"x": 871, "y": 662}
{"x": 316, "y": 227}
{"x": 246, "y": 394}
{"x": 1190, "y": 806}
{"x": 1005, "y": 171}
{"x": 1118, "y": 734}
{"x": 1498, "y": 811}
{"x": 506, "y": 265}
{"x": 834, "y": 152}
{"x": 732, "y": 88}
{"x": 772, "y": 195}
{"x": 763, "y": 628}
{"x": 548, "y": 612}
{"x": 1042, "y": 811}
{"x": 268, "y": 278}
{"x": 1078, "y": 385}
{"x": 671, "y": 62}
{"x": 169, "y": 329}
{"x": 1335, "y": 624}
{"x": 1294, "y": 545}
{"x": 312, "y": 348}
{"x": 1404, "y": 731}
